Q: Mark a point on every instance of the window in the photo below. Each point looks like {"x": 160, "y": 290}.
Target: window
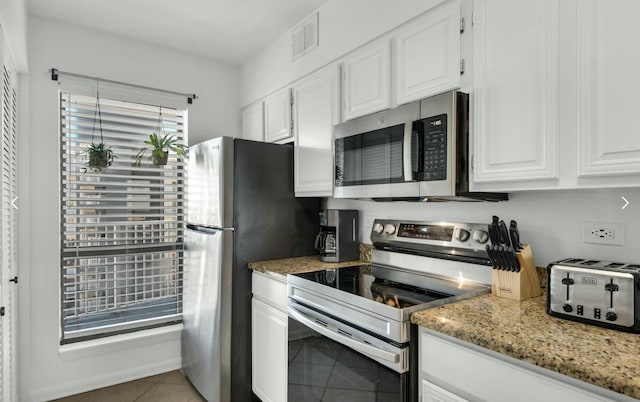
{"x": 122, "y": 228}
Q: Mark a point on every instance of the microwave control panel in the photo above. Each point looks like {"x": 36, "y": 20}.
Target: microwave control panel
{"x": 433, "y": 131}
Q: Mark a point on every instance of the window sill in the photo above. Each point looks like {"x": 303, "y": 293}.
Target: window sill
{"x": 118, "y": 343}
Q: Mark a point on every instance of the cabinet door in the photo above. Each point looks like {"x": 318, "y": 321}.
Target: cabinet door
{"x": 253, "y": 122}
{"x": 433, "y": 393}
{"x": 515, "y": 91}
{"x": 366, "y": 80}
{"x": 269, "y": 347}
{"x": 608, "y": 78}
{"x": 316, "y": 111}
{"x": 277, "y": 116}
{"x": 428, "y": 56}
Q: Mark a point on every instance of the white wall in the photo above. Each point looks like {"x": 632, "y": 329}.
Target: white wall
{"x": 344, "y": 26}
{"x": 551, "y": 221}
{"x": 47, "y": 374}
{"x": 13, "y": 19}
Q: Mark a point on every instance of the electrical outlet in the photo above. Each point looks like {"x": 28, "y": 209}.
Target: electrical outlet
{"x": 603, "y": 233}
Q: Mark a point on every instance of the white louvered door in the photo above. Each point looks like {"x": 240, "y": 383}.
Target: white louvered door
{"x": 8, "y": 236}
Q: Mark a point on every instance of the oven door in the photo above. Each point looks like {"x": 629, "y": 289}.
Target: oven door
{"x": 333, "y": 360}
{"x": 376, "y": 155}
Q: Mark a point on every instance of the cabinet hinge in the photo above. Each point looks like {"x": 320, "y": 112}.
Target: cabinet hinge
{"x": 462, "y": 25}
{"x": 2, "y": 311}
{"x": 461, "y": 66}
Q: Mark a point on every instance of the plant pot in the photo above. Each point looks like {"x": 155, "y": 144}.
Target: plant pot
{"x": 159, "y": 160}
{"x": 99, "y": 159}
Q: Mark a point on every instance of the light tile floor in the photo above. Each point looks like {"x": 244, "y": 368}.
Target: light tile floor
{"x": 167, "y": 387}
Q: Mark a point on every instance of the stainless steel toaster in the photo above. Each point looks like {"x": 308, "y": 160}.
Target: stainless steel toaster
{"x": 601, "y": 293}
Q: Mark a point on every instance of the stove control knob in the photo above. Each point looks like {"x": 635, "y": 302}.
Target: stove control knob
{"x": 378, "y": 228}
{"x": 481, "y": 236}
{"x": 463, "y": 235}
{"x": 389, "y": 228}
{"x": 611, "y": 316}
{"x": 567, "y": 308}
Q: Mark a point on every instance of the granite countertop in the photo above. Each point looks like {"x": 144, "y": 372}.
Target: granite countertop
{"x": 523, "y": 330}
{"x": 298, "y": 265}
{"x": 310, "y": 263}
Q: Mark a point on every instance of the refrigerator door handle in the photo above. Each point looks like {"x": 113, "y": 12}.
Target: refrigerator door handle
{"x": 208, "y": 228}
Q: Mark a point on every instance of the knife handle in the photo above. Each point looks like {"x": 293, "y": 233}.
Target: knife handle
{"x": 504, "y": 233}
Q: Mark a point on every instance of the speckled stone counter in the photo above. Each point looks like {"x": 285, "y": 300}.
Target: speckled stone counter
{"x": 299, "y": 264}
{"x": 310, "y": 263}
{"x": 523, "y": 330}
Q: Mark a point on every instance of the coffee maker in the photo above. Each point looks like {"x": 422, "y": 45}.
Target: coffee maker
{"x": 338, "y": 237}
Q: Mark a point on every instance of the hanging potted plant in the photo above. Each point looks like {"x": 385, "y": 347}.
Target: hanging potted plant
{"x": 161, "y": 145}
{"x": 160, "y": 148}
{"x": 100, "y": 156}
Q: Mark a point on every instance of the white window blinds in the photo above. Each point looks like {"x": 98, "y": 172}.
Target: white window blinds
{"x": 122, "y": 227}
{"x": 8, "y": 234}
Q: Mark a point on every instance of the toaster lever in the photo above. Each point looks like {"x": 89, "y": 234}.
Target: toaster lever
{"x": 609, "y": 287}
{"x": 568, "y": 281}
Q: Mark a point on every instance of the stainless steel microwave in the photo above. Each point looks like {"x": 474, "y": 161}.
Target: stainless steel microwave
{"x": 417, "y": 151}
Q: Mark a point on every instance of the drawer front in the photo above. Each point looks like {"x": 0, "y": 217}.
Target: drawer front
{"x": 472, "y": 375}
{"x": 271, "y": 289}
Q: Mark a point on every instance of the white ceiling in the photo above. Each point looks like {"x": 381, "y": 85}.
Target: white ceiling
{"x": 228, "y": 30}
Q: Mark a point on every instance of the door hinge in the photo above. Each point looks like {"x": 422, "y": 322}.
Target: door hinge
{"x": 462, "y": 25}
{"x": 291, "y": 99}
{"x": 461, "y": 66}
{"x": 291, "y": 124}
{"x": 473, "y": 166}
{"x": 2, "y": 311}
{"x": 14, "y": 279}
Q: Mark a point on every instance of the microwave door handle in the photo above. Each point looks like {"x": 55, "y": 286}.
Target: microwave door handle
{"x": 343, "y": 339}
{"x": 407, "y": 151}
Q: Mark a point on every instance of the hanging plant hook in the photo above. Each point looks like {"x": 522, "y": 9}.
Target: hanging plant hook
{"x": 100, "y": 156}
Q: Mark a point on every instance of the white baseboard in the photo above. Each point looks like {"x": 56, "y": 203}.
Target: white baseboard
{"x": 89, "y": 384}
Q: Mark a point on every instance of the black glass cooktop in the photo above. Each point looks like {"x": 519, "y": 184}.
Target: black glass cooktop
{"x": 355, "y": 281}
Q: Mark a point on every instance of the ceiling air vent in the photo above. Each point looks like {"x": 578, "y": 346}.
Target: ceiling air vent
{"x": 304, "y": 36}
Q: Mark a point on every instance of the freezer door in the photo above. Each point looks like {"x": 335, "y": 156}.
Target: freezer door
{"x": 210, "y": 184}
{"x": 207, "y": 312}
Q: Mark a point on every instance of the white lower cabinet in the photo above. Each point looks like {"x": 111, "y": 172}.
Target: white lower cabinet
{"x": 269, "y": 339}
{"x": 433, "y": 393}
{"x": 452, "y": 371}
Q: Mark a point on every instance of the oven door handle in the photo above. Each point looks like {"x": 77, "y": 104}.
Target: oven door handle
{"x": 343, "y": 339}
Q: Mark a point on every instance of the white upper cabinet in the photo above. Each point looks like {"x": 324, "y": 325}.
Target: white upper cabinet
{"x": 608, "y": 82}
{"x": 428, "y": 60}
{"x": 316, "y": 110}
{"x": 253, "y": 122}
{"x": 277, "y": 116}
{"x": 515, "y": 94}
{"x": 366, "y": 80}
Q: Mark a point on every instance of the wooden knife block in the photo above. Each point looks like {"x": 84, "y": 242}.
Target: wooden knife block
{"x": 517, "y": 285}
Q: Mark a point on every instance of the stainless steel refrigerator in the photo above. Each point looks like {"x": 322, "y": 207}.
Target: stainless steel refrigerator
{"x": 240, "y": 208}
